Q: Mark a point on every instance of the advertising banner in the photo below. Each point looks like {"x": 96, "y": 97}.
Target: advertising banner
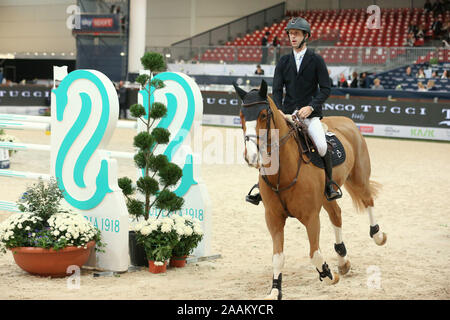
{"x": 25, "y": 96}
{"x": 98, "y": 23}
{"x": 401, "y": 119}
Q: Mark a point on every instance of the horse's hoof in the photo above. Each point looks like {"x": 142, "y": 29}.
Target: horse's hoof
{"x": 344, "y": 269}
{"x": 380, "y": 238}
{"x": 335, "y": 279}
{"x": 273, "y": 295}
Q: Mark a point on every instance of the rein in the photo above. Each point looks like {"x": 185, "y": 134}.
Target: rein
{"x": 292, "y": 133}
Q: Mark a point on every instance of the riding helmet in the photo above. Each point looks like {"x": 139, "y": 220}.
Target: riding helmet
{"x": 299, "y": 24}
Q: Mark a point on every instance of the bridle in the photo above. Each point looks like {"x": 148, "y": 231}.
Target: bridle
{"x": 293, "y": 132}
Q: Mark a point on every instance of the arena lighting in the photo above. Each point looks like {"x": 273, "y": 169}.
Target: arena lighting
{"x": 6, "y": 56}
{"x": 122, "y": 54}
{"x": 168, "y": 55}
{"x": 36, "y": 53}
{"x": 63, "y": 54}
{"x": 71, "y": 53}
{"x": 52, "y": 53}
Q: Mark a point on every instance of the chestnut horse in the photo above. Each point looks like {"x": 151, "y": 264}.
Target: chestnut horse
{"x": 295, "y": 187}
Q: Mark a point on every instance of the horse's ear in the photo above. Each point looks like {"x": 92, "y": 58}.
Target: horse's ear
{"x": 263, "y": 89}
{"x": 241, "y": 93}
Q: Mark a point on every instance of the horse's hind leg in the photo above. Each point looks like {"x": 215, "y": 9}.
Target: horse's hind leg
{"x": 375, "y": 233}
{"x": 313, "y": 230}
{"x": 363, "y": 190}
{"x": 275, "y": 224}
{"x": 334, "y": 212}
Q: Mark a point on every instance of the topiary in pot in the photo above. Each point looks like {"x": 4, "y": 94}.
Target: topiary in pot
{"x": 158, "y": 174}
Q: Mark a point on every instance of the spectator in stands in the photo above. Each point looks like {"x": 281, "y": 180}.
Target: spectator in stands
{"x": 427, "y": 6}
{"x": 430, "y": 86}
{"x": 408, "y": 72}
{"x": 264, "y": 47}
{"x": 438, "y": 7}
{"x": 342, "y": 82}
{"x": 259, "y": 70}
{"x": 354, "y": 83}
{"x": 437, "y": 28}
{"x": 7, "y": 82}
{"x": 413, "y": 28}
{"x": 377, "y": 84}
{"x": 363, "y": 80}
{"x": 420, "y": 74}
{"x": 446, "y": 32}
{"x": 276, "y": 48}
{"x": 410, "y": 39}
{"x": 421, "y": 32}
{"x": 434, "y": 74}
{"x": 421, "y": 87}
{"x": 275, "y": 42}
{"x": 444, "y": 74}
{"x": 123, "y": 102}
{"x": 331, "y": 79}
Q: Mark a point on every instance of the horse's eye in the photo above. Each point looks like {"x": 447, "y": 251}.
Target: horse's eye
{"x": 263, "y": 116}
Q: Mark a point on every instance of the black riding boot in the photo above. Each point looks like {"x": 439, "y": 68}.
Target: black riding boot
{"x": 255, "y": 198}
{"x": 330, "y": 193}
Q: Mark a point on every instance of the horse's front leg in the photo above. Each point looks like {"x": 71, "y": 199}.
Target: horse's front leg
{"x": 313, "y": 230}
{"x": 275, "y": 224}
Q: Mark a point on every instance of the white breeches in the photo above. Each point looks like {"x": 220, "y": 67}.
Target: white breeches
{"x": 315, "y": 131}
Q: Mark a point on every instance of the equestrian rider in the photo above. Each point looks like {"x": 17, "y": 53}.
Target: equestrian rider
{"x": 304, "y": 75}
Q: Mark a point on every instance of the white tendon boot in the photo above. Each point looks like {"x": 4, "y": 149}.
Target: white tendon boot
{"x": 277, "y": 263}
{"x": 339, "y": 247}
{"x": 375, "y": 232}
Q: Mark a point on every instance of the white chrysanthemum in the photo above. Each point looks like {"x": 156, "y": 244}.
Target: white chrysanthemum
{"x": 198, "y": 230}
{"x": 180, "y": 231}
{"x": 187, "y": 231}
{"x": 145, "y": 230}
{"x": 152, "y": 227}
{"x": 178, "y": 219}
{"x": 157, "y": 222}
{"x": 166, "y": 228}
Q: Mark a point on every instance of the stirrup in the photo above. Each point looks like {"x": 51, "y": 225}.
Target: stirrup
{"x": 338, "y": 194}
{"x": 253, "y": 199}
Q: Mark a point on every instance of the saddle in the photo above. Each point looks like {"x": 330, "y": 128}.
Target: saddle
{"x": 309, "y": 149}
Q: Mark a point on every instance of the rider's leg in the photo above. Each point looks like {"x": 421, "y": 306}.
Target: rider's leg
{"x": 315, "y": 131}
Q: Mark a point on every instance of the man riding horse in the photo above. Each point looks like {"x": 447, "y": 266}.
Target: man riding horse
{"x": 304, "y": 75}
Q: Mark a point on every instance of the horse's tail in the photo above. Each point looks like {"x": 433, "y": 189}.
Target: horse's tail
{"x": 363, "y": 198}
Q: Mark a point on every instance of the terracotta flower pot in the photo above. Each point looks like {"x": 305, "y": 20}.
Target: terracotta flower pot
{"x": 178, "y": 262}
{"x": 49, "y": 262}
{"x": 156, "y": 269}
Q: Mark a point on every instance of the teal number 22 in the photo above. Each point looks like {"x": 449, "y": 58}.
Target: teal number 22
{"x": 188, "y": 170}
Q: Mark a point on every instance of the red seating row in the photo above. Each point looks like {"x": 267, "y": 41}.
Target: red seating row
{"x": 443, "y": 55}
{"x": 345, "y": 28}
